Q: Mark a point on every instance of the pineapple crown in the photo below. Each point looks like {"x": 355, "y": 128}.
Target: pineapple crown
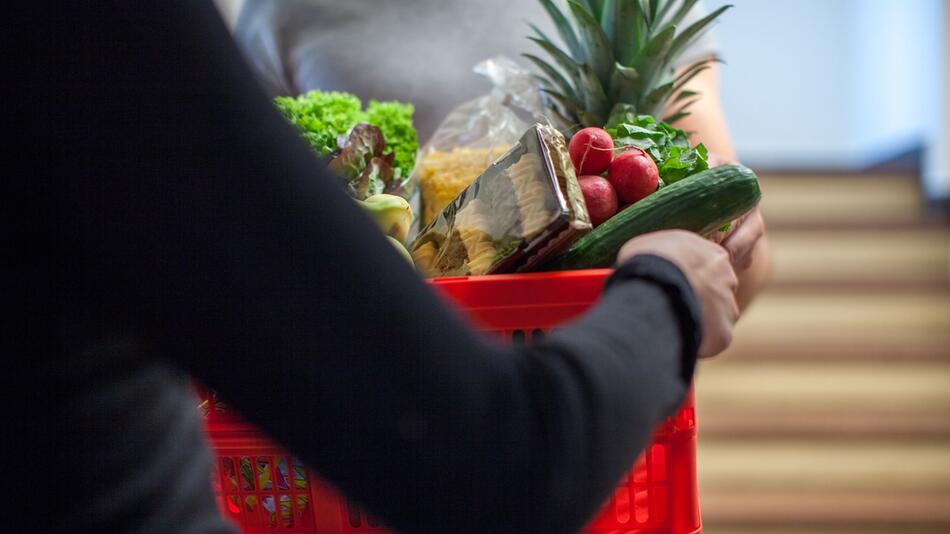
{"x": 619, "y": 53}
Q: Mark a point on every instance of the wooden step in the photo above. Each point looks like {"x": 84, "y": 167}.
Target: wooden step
{"x": 816, "y": 512}
{"x": 800, "y": 399}
{"x": 824, "y": 325}
{"x": 861, "y": 258}
{"x": 871, "y": 200}
{"x": 860, "y": 468}
{"x": 842, "y": 481}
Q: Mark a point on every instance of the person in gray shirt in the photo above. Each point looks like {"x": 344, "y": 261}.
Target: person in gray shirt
{"x": 418, "y": 51}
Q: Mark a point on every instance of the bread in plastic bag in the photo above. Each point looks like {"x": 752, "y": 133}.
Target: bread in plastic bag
{"x": 476, "y": 133}
{"x": 523, "y": 210}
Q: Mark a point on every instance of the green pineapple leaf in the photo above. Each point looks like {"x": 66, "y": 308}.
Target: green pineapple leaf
{"x": 619, "y": 52}
{"x": 691, "y": 72}
{"x": 622, "y": 22}
{"x": 680, "y": 13}
{"x": 695, "y": 31}
{"x": 659, "y": 95}
{"x": 660, "y": 44}
{"x": 565, "y": 61}
{"x": 664, "y": 11}
{"x": 683, "y": 95}
{"x": 652, "y": 12}
{"x": 596, "y": 102}
{"x": 564, "y": 28}
{"x": 553, "y": 75}
{"x": 569, "y": 104}
{"x": 596, "y": 6}
{"x": 599, "y": 52}
{"x": 680, "y": 113}
{"x": 625, "y": 84}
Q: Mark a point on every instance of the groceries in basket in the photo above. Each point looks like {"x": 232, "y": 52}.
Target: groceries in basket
{"x": 663, "y": 183}
{"x": 373, "y": 151}
{"x": 523, "y": 210}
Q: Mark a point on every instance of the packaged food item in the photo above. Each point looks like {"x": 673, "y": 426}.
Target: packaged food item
{"x": 443, "y": 175}
{"x": 476, "y": 133}
{"x": 524, "y": 209}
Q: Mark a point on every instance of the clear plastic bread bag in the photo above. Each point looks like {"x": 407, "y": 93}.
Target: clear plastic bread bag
{"x": 475, "y": 134}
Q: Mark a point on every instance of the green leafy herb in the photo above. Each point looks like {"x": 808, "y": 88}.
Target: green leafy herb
{"x": 668, "y": 146}
{"x": 395, "y": 121}
{"x": 324, "y": 117}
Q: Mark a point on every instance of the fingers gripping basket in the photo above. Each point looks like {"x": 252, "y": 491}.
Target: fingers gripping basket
{"x": 264, "y": 489}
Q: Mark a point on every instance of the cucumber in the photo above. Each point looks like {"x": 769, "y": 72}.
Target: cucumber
{"x": 701, "y": 203}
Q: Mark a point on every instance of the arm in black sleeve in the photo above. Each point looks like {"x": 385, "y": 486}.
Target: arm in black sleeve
{"x": 215, "y": 232}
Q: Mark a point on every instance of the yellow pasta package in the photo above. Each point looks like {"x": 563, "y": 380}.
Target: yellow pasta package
{"x": 523, "y": 209}
{"x": 443, "y": 175}
{"x": 474, "y": 135}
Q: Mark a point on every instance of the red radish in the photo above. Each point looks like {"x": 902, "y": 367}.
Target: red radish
{"x": 634, "y": 175}
{"x": 591, "y": 150}
{"x": 600, "y": 197}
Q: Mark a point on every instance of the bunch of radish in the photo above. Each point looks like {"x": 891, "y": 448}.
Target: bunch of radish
{"x": 631, "y": 175}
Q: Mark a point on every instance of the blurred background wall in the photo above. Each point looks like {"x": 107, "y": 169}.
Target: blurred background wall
{"x": 836, "y": 84}
{"x": 831, "y": 412}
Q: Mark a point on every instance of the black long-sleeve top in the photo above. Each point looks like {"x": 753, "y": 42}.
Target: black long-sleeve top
{"x": 167, "y": 224}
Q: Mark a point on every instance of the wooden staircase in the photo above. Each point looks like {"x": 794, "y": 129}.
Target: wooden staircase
{"x": 831, "y": 412}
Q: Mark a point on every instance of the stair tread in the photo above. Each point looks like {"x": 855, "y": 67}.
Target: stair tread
{"x": 869, "y": 256}
{"x": 824, "y": 424}
{"x": 827, "y": 316}
{"x": 844, "y": 466}
{"x": 838, "y": 512}
{"x": 791, "y": 386}
{"x": 830, "y": 199}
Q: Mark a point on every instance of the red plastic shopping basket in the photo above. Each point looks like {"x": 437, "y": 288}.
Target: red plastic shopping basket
{"x": 264, "y": 489}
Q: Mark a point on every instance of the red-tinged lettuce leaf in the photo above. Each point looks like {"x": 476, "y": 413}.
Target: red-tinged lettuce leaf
{"x": 376, "y": 177}
{"x": 364, "y": 144}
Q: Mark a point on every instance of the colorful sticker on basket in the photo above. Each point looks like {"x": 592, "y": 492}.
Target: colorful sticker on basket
{"x": 247, "y": 474}
{"x": 283, "y": 479}
{"x": 264, "y": 481}
{"x": 212, "y": 402}
{"x": 230, "y": 474}
{"x": 234, "y": 505}
{"x": 270, "y": 509}
{"x": 303, "y": 501}
{"x": 286, "y": 511}
{"x": 250, "y": 503}
{"x": 300, "y": 474}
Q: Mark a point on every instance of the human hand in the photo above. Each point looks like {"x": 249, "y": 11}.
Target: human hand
{"x": 744, "y": 233}
{"x": 741, "y": 238}
{"x": 710, "y": 273}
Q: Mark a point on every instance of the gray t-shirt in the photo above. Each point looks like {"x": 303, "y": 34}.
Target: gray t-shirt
{"x": 418, "y": 51}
